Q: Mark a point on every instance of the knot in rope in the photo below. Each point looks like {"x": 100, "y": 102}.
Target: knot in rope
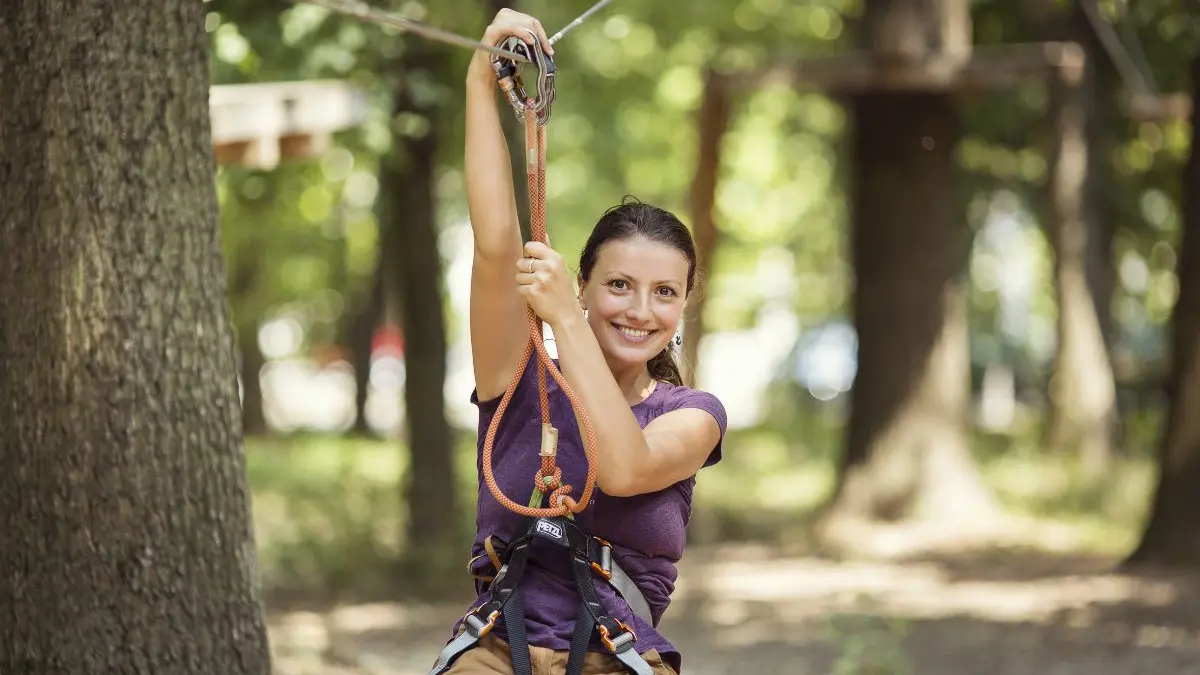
{"x": 548, "y": 483}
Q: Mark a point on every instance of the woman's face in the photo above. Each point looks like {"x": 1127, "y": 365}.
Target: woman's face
{"x": 635, "y": 299}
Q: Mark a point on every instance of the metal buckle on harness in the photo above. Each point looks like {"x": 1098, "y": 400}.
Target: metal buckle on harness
{"x": 477, "y": 626}
{"x": 622, "y": 642}
{"x": 604, "y": 566}
{"x": 509, "y": 78}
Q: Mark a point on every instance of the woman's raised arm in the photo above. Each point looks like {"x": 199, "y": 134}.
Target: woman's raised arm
{"x": 499, "y": 328}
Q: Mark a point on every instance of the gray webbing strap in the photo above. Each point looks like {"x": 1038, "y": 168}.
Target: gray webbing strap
{"x": 458, "y": 645}
{"x": 632, "y": 594}
{"x": 634, "y": 661}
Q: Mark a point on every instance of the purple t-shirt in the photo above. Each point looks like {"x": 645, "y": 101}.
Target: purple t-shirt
{"x": 648, "y": 532}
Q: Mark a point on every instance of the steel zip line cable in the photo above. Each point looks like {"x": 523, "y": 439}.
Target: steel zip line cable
{"x": 362, "y": 10}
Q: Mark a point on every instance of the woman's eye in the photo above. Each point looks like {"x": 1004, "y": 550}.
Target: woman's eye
{"x": 666, "y": 290}
{"x": 618, "y": 284}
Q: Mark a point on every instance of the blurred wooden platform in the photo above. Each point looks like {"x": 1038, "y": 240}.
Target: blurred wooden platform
{"x": 258, "y": 125}
{"x": 978, "y": 68}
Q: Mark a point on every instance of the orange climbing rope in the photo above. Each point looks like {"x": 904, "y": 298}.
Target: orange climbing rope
{"x": 548, "y": 479}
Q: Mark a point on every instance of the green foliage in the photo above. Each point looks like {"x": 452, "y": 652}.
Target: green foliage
{"x": 328, "y": 514}
{"x": 1005, "y": 149}
{"x": 629, "y": 81}
{"x": 628, "y": 84}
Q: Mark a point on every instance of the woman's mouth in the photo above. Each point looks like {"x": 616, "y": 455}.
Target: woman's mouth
{"x": 634, "y": 335}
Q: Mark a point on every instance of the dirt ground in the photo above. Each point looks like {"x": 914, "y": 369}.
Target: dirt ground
{"x": 926, "y": 608}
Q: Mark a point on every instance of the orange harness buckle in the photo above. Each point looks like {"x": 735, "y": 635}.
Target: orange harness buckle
{"x": 622, "y": 639}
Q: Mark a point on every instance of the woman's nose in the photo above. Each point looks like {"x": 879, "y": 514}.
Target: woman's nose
{"x": 639, "y": 306}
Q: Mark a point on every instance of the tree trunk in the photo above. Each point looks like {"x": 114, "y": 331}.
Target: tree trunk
{"x": 410, "y": 220}
{"x": 1172, "y": 535}
{"x": 360, "y": 331}
{"x": 254, "y": 421}
{"x": 1083, "y": 415}
{"x": 906, "y": 454}
{"x": 125, "y": 528}
{"x": 243, "y": 284}
{"x": 245, "y": 281}
{"x": 712, "y": 122}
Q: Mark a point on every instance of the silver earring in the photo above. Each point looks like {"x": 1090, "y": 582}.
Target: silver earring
{"x": 678, "y": 339}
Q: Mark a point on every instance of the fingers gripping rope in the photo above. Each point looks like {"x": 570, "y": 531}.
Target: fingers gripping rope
{"x": 548, "y": 478}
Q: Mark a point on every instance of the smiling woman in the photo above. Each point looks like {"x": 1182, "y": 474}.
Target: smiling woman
{"x": 614, "y": 338}
{"x": 638, "y": 249}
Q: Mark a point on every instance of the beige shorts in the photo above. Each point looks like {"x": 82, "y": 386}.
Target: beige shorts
{"x": 492, "y": 657}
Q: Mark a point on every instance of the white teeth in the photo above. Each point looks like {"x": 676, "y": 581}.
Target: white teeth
{"x": 634, "y": 333}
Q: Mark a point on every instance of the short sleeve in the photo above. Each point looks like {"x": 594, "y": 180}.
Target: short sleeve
{"x": 684, "y": 397}
{"x": 488, "y": 408}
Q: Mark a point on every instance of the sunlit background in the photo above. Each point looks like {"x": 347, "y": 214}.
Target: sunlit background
{"x": 321, "y": 239}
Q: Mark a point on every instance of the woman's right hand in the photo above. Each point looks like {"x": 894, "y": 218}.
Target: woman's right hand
{"x": 508, "y": 23}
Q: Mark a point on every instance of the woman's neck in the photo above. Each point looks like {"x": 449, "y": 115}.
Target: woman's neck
{"x": 635, "y": 383}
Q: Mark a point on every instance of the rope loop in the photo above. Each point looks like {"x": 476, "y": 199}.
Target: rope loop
{"x": 535, "y": 113}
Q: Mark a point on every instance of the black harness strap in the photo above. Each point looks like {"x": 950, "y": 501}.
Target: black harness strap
{"x": 514, "y": 623}
{"x": 586, "y": 559}
{"x": 580, "y": 640}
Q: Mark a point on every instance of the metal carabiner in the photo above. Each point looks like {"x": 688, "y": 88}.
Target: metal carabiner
{"x": 508, "y": 77}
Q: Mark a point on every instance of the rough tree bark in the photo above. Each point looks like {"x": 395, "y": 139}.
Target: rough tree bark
{"x": 1082, "y": 415}
{"x": 125, "y": 537}
{"x": 1172, "y": 534}
{"x": 906, "y": 454}
{"x": 409, "y": 218}
{"x": 711, "y": 124}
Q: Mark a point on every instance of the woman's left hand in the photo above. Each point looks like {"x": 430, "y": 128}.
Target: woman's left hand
{"x": 543, "y": 280}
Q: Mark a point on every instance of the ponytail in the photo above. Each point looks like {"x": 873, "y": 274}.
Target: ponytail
{"x": 663, "y": 367}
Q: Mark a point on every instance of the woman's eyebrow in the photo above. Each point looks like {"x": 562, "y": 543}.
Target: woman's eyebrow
{"x": 628, "y": 277}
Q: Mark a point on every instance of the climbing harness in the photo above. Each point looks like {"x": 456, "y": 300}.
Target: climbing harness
{"x": 602, "y": 562}
{"x": 591, "y": 556}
